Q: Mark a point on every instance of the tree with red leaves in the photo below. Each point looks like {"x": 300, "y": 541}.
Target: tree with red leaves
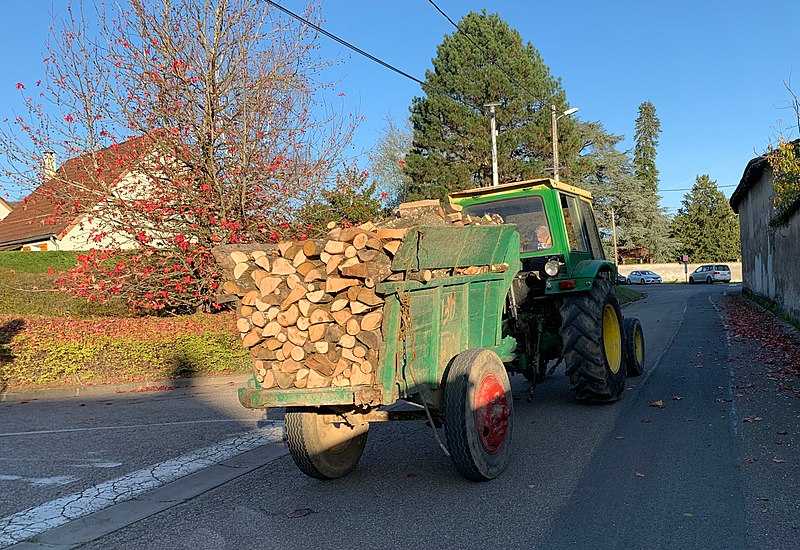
{"x": 222, "y": 100}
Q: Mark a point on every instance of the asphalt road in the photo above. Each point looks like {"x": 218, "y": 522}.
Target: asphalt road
{"x": 692, "y": 474}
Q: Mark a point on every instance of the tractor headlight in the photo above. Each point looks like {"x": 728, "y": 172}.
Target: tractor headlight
{"x": 551, "y": 268}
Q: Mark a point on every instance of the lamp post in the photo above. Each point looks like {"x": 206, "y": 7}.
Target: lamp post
{"x": 555, "y": 118}
{"x": 493, "y": 130}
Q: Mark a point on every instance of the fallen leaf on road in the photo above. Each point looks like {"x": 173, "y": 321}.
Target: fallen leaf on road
{"x": 782, "y": 432}
{"x": 778, "y": 460}
{"x": 752, "y": 419}
{"x": 688, "y": 515}
{"x": 645, "y": 421}
{"x": 750, "y": 460}
{"x": 153, "y": 388}
{"x": 659, "y": 404}
{"x": 638, "y": 474}
{"x": 299, "y": 513}
{"x": 676, "y": 397}
{"x": 619, "y": 437}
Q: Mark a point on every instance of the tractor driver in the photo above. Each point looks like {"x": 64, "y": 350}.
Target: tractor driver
{"x": 543, "y": 240}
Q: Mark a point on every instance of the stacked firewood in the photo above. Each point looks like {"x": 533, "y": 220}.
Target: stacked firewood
{"x": 308, "y": 310}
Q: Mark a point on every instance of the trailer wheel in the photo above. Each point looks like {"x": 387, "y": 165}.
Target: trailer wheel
{"x": 591, "y": 333}
{"x": 323, "y": 449}
{"x": 478, "y": 414}
{"x": 634, "y": 347}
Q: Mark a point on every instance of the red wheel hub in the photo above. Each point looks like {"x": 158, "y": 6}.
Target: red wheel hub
{"x": 491, "y": 413}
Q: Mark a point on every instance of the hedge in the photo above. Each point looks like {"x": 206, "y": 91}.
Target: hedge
{"x": 43, "y": 351}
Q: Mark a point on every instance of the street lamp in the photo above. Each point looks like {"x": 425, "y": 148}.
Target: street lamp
{"x": 493, "y": 130}
{"x": 555, "y": 117}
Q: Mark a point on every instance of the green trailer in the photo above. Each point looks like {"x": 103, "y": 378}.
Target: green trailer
{"x": 521, "y": 296}
{"x": 442, "y": 357}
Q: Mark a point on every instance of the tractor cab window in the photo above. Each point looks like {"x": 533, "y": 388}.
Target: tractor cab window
{"x": 576, "y": 230}
{"x": 591, "y": 230}
{"x": 529, "y": 216}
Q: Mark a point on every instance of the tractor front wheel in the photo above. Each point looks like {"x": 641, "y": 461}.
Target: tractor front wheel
{"x": 478, "y": 414}
{"x": 321, "y": 447}
{"x": 592, "y": 339}
{"x": 634, "y": 347}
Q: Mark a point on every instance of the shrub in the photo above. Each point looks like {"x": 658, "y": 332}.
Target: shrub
{"x": 51, "y": 351}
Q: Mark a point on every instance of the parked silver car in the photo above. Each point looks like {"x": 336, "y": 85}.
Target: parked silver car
{"x": 711, "y": 273}
{"x": 643, "y": 277}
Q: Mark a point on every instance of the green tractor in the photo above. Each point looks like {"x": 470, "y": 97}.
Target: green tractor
{"x": 561, "y": 304}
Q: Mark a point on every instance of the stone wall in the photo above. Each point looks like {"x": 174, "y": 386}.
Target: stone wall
{"x": 770, "y": 256}
{"x": 674, "y": 272}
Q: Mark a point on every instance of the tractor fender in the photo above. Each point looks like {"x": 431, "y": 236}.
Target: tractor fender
{"x": 584, "y": 274}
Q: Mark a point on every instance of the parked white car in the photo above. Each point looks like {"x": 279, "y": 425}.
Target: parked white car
{"x": 643, "y": 277}
{"x": 711, "y": 273}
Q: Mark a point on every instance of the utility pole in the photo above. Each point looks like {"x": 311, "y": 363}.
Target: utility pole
{"x": 555, "y": 141}
{"x": 555, "y": 118}
{"x": 614, "y": 236}
{"x": 493, "y": 129}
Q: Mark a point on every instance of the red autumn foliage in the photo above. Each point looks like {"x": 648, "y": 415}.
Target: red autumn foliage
{"x": 232, "y": 141}
{"x": 773, "y": 346}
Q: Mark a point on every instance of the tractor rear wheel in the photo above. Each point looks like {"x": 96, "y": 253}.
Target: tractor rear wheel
{"x": 634, "y": 347}
{"x": 477, "y": 414}
{"x": 321, "y": 448}
{"x": 592, "y": 338}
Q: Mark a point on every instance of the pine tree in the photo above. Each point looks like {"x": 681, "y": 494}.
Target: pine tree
{"x": 451, "y": 147}
{"x": 705, "y": 225}
{"x": 610, "y": 176}
{"x": 648, "y": 128}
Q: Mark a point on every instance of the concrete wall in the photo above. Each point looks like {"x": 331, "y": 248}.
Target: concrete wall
{"x": 770, "y": 256}
{"x": 674, "y": 272}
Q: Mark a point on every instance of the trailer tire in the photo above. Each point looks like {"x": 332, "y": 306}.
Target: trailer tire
{"x": 323, "y": 450}
{"x": 591, "y": 334}
{"x": 634, "y": 347}
{"x": 478, "y": 415}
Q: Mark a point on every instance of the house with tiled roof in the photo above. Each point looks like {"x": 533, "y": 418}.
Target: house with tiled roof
{"x": 45, "y": 220}
{"x": 5, "y": 208}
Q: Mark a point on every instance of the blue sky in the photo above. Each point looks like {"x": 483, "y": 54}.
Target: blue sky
{"x": 714, "y": 69}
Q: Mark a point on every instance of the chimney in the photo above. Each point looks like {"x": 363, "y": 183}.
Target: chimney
{"x": 49, "y": 164}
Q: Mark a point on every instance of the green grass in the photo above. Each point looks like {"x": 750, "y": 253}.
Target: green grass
{"x": 26, "y": 288}
{"x": 38, "y": 262}
{"x": 626, "y": 295}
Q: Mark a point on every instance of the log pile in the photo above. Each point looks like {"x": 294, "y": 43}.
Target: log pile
{"x": 308, "y": 311}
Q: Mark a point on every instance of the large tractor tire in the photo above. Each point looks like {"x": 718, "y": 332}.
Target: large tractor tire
{"x": 478, "y": 414}
{"x": 592, "y": 338}
{"x": 323, "y": 449}
{"x": 634, "y": 347}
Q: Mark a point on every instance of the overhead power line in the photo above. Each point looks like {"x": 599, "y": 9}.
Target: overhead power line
{"x": 368, "y": 55}
{"x": 688, "y": 189}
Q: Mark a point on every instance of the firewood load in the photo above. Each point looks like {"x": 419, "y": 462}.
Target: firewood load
{"x": 309, "y": 313}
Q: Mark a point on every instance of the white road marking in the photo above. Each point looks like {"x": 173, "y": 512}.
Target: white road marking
{"x": 96, "y": 464}
{"x": 41, "y": 481}
{"x": 29, "y": 523}
{"x": 124, "y": 426}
